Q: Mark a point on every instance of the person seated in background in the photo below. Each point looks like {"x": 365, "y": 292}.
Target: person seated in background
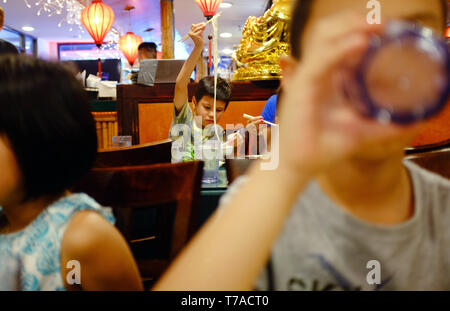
{"x": 262, "y": 144}
{"x": 48, "y": 142}
{"x": 147, "y": 50}
{"x": 345, "y": 209}
{"x": 268, "y": 113}
{"x": 199, "y": 123}
{"x": 7, "y": 48}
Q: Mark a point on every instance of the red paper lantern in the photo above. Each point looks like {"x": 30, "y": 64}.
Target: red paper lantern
{"x": 447, "y": 32}
{"x": 98, "y": 19}
{"x": 209, "y": 7}
{"x": 129, "y": 44}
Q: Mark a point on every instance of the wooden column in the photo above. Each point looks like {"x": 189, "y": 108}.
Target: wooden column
{"x": 167, "y": 29}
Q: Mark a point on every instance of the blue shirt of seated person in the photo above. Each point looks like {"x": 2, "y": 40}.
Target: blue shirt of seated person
{"x": 270, "y": 109}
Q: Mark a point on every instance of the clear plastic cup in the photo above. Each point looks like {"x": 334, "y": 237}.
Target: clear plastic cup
{"x": 211, "y": 155}
{"x": 121, "y": 141}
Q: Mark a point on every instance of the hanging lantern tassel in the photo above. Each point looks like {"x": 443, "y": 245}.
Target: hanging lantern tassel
{"x": 210, "y": 51}
{"x": 99, "y": 67}
{"x": 215, "y": 25}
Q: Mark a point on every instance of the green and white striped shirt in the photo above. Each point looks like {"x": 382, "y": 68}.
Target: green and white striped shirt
{"x": 184, "y": 132}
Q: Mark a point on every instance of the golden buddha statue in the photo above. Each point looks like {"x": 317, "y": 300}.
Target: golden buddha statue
{"x": 264, "y": 40}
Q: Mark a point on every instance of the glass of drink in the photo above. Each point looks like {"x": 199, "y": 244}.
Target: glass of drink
{"x": 121, "y": 141}
{"x": 210, "y": 155}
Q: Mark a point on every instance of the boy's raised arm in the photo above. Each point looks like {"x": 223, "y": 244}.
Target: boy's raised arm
{"x": 181, "y": 87}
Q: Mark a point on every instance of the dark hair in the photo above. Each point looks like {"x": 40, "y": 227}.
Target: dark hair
{"x": 300, "y": 17}
{"x": 149, "y": 46}
{"x": 206, "y": 88}
{"x": 7, "y": 48}
{"x": 46, "y": 118}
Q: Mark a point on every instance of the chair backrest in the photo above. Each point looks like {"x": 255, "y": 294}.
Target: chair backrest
{"x": 236, "y": 168}
{"x": 436, "y": 161}
{"x": 152, "y": 153}
{"x": 156, "y": 208}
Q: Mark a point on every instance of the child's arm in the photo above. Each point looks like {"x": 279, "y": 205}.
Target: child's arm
{"x": 316, "y": 132}
{"x": 181, "y": 87}
{"x": 105, "y": 259}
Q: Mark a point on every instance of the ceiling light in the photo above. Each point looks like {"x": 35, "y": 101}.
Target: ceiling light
{"x": 226, "y": 35}
{"x": 227, "y": 51}
{"x": 225, "y": 5}
{"x": 69, "y": 9}
{"x": 27, "y": 28}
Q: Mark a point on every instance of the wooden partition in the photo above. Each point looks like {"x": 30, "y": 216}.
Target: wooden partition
{"x": 107, "y": 127}
{"x": 157, "y": 128}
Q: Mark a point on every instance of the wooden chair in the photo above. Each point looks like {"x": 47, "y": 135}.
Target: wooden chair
{"x": 152, "y": 153}
{"x": 236, "y": 168}
{"x": 156, "y": 208}
{"x": 436, "y": 161}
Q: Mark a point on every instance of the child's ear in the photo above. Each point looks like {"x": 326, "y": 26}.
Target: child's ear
{"x": 288, "y": 65}
{"x": 194, "y": 101}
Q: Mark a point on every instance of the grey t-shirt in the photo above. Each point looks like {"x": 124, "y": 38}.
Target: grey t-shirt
{"x": 323, "y": 247}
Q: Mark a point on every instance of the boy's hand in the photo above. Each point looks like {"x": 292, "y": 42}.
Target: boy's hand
{"x": 255, "y": 121}
{"x": 196, "y": 34}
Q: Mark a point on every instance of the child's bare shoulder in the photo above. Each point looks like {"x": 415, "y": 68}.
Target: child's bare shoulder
{"x": 86, "y": 231}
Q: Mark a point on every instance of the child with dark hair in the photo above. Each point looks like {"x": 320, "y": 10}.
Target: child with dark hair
{"x": 343, "y": 210}
{"x": 199, "y": 122}
{"x": 47, "y": 143}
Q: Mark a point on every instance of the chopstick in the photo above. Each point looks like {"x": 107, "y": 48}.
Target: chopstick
{"x": 210, "y": 21}
{"x": 249, "y": 117}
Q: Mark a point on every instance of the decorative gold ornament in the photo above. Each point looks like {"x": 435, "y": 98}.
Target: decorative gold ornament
{"x": 264, "y": 40}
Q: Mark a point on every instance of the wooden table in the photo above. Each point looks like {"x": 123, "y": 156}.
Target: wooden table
{"x": 210, "y": 195}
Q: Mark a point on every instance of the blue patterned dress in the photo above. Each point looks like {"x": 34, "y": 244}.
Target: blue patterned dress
{"x": 30, "y": 258}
